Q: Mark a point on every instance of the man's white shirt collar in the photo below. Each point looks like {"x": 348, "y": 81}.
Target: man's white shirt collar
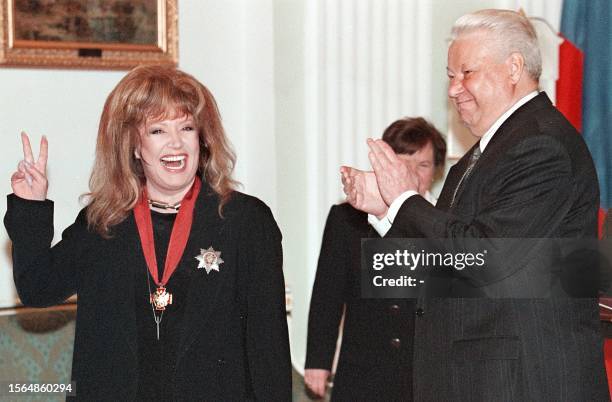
{"x": 484, "y": 140}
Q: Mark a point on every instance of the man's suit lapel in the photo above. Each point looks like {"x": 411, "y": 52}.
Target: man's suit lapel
{"x": 495, "y": 146}
{"x": 451, "y": 182}
{"x": 498, "y": 142}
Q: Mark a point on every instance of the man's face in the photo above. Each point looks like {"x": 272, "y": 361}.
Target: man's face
{"x": 480, "y": 84}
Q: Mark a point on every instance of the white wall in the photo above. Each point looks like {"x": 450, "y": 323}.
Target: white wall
{"x": 291, "y": 173}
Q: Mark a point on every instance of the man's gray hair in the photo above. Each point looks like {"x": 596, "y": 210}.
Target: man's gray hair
{"x": 512, "y": 31}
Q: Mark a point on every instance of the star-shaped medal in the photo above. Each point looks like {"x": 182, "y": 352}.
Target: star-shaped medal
{"x": 209, "y": 259}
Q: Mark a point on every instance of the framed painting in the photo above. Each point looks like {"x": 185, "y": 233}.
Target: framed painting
{"x": 104, "y": 34}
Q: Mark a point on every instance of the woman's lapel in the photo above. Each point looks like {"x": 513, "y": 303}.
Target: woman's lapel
{"x": 127, "y": 240}
{"x": 207, "y": 232}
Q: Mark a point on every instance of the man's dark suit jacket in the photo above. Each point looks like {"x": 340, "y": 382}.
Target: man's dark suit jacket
{"x": 535, "y": 179}
{"x": 374, "y": 362}
{"x": 234, "y": 336}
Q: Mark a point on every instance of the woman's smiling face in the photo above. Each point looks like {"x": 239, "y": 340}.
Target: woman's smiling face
{"x": 169, "y": 151}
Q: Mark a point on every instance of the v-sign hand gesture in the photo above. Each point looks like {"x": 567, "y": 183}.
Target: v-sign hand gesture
{"x": 30, "y": 179}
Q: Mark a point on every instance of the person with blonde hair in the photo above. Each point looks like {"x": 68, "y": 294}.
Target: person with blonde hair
{"x": 178, "y": 275}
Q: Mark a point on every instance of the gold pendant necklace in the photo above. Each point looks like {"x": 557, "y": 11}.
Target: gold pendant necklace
{"x": 158, "y": 303}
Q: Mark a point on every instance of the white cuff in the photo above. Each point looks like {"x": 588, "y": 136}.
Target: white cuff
{"x": 397, "y": 204}
{"x": 381, "y": 226}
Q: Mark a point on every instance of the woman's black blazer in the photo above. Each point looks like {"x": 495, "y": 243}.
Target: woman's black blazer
{"x": 377, "y": 337}
{"x": 234, "y": 344}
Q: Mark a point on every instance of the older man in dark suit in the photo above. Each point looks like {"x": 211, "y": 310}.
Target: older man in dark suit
{"x": 529, "y": 176}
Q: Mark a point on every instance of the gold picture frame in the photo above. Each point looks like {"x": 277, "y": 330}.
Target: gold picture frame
{"x": 99, "y": 34}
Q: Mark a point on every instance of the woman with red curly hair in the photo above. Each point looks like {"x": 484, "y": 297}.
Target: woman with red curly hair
{"x": 178, "y": 275}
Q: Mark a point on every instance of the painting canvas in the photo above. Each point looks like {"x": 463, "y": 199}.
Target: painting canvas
{"x": 85, "y": 23}
{"x": 88, "y": 33}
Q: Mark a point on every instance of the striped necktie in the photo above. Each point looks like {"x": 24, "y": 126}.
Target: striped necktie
{"x": 475, "y": 155}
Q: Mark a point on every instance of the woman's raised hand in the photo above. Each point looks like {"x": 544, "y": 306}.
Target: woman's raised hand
{"x": 30, "y": 179}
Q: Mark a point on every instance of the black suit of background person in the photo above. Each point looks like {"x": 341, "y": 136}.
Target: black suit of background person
{"x": 534, "y": 179}
{"x": 374, "y": 363}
